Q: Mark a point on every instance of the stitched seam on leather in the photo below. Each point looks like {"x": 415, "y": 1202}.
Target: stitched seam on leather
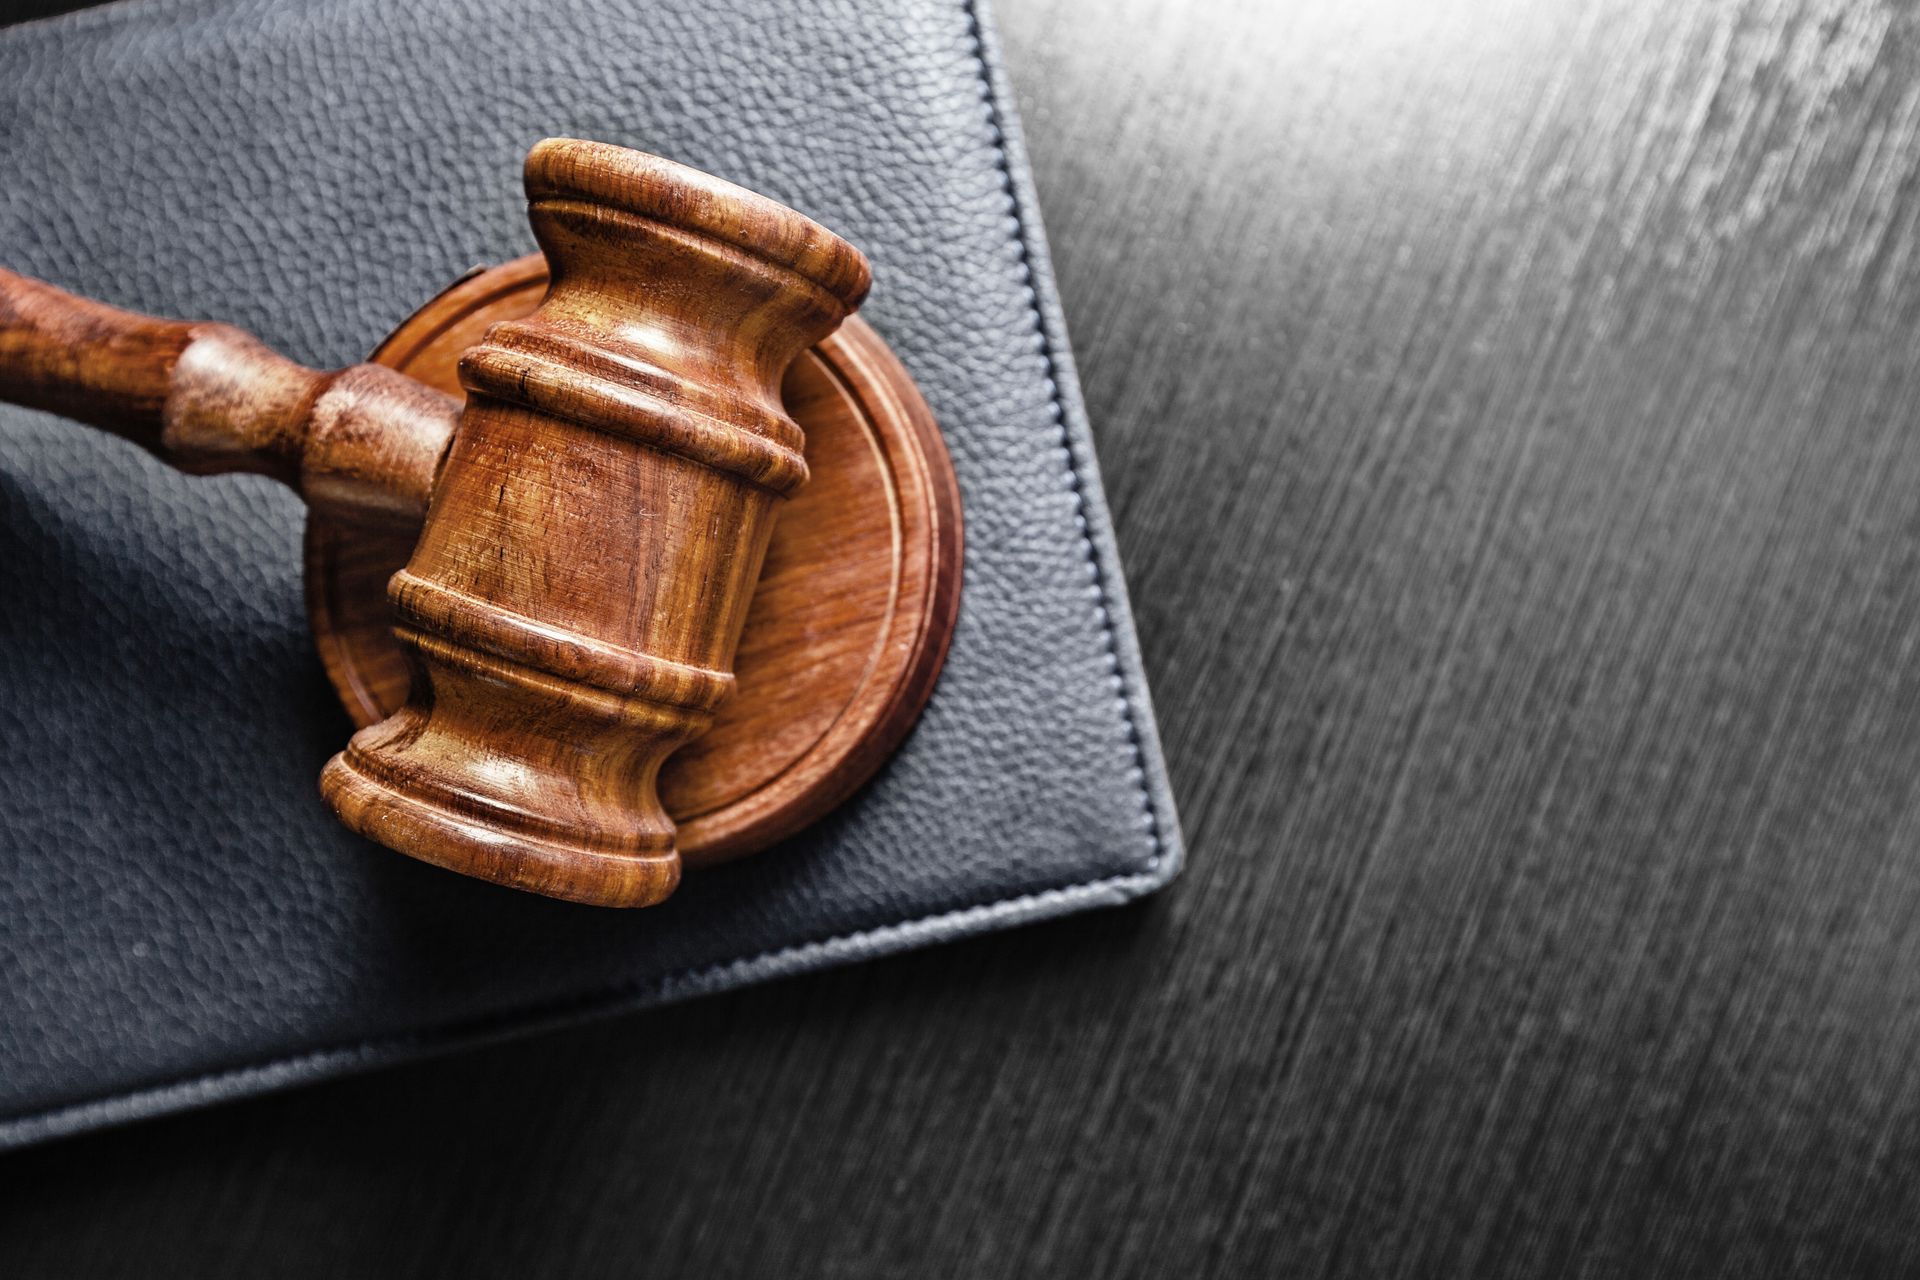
{"x": 792, "y": 958}
{"x": 1057, "y": 406}
{"x": 777, "y": 962}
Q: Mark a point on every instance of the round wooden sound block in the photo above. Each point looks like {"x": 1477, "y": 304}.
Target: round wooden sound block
{"x": 847, "y": 630}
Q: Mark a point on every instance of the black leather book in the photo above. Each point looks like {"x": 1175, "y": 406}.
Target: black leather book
{"x": 184, "y": 921}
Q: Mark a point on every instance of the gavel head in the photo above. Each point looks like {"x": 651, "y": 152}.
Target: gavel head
{"x": 572, "y": 607}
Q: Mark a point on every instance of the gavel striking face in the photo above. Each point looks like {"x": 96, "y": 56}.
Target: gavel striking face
{"x": 595, "y": 517}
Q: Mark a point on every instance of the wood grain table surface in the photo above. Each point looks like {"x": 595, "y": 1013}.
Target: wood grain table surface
{"x": 1508, "y": 409}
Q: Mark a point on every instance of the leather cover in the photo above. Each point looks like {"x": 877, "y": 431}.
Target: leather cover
{"x": 183, "y": 920}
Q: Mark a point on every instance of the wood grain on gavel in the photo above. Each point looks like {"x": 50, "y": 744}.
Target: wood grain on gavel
{"x": 850, "y": 620}
{"x": 574, "y": 601}
{"x": 359, "y": 442}
{"x": 596, "y": 524}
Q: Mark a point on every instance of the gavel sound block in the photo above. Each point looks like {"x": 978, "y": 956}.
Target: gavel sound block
{"x": 533, "y": 602}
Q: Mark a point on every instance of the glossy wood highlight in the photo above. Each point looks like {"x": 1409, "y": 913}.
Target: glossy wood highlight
{"x": 850, "y": 619}
{"x": 573, "y": 604}
{"x": 359, "y": 443}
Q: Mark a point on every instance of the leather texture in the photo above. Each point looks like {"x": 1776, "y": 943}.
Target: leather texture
{"x": 184, "y": 921}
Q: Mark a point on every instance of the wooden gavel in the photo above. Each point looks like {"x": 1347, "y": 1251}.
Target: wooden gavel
{"x": 592, "y": 523}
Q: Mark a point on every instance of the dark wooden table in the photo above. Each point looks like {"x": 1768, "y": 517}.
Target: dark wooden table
{"x": 1509, "y": 414}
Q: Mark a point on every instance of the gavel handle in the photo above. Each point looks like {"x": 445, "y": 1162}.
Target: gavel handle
{"x": 362, "y": 441}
